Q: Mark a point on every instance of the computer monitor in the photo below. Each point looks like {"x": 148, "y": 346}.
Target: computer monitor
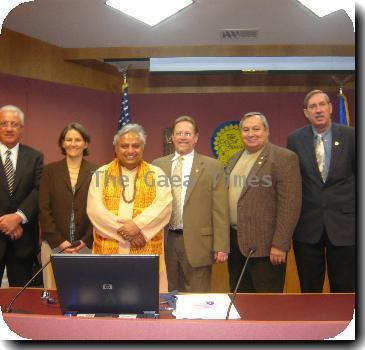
{"x": 107, "y": 284}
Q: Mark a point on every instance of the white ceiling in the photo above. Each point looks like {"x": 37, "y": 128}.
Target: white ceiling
{"x": 90, "y": 23}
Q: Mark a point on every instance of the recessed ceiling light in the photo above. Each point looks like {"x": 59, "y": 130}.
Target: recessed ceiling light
{"x": 151, "y": 12}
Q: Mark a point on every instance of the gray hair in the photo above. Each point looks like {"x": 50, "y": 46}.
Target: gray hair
{"x": 255, "y": 114}
{"x": 133, "y": 128}
{"x": 15, "y": 109}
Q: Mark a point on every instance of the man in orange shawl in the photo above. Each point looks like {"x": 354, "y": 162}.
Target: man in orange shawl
{"x": 129, "y": 201}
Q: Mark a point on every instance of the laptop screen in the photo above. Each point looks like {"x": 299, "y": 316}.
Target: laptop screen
{"x": 111, "y": 284}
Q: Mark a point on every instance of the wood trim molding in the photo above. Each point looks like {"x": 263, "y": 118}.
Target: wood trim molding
{"x": 207, "y": 50}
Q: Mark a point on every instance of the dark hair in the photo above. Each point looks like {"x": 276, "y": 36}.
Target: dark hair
{"x": 80, "y": 129}
{"x": 185, "y": 118}
{"x": 312, "y": 93}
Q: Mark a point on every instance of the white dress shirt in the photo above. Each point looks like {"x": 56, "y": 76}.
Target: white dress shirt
{"x": 186, "y": 170}
{"x": 14, "y": 158}
{"x": 14, "y": 153}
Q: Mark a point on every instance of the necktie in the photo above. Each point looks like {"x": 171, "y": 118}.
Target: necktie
{"x": 319, "y": 149}
{"x": 9, "y": 171}
{"x": 176, "y": 184}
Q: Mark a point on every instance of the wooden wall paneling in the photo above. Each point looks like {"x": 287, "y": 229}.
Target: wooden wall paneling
{"x": 28, "y": 57}
{"x": 207, "y": 50}
{"x": 146, "y": 82}
{"x": 31, "y": 58}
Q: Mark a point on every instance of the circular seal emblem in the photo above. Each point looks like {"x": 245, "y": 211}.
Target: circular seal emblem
{"x": 226, "y": 141}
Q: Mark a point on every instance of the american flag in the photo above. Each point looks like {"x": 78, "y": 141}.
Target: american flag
{"x": 124, "y": 108}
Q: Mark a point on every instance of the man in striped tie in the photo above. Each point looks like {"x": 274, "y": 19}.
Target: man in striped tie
{"x": 325, "y": 236}
{"x": 20, "y": 170}
{"x": 198, "y": 231}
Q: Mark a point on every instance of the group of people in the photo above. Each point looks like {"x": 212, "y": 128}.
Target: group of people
{"x": 186, "y": 207}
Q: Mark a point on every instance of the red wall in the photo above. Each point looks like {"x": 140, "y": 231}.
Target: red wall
{"x": 49, "y": 107}
{"x": 158, "y": 111}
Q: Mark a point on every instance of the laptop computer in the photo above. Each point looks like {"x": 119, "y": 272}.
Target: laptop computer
{"x": 107, "y": 284}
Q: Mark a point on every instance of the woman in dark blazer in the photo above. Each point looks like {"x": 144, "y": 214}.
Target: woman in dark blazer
{"x": 62, "y": 199}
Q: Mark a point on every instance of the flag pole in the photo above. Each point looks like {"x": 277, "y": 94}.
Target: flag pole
{"x": 124, "y": 117}
{"x": 123, "y": 71}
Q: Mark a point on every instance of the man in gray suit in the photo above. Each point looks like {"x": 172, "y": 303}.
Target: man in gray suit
{"x": 198, "y": 232}
{"x": 264, "y": 202}
{"x": 326, "y": 229}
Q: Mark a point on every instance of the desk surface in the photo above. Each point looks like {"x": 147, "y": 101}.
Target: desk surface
{"x": 264, "y": 316}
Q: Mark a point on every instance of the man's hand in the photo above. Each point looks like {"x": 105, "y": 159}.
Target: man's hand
{"x": 128, "y": 230}
{"x": 277, "y": 256}
{"x": 9, "y": 223}
{"x": 138, "y": 241}
{"x": 17, "y": 234}
{"x": 220, "y": 257}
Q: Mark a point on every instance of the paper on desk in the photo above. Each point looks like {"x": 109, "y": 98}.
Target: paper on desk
{"x": 204, "y": 306}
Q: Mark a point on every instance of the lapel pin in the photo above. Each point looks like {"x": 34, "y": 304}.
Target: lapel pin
{"x": 336, "y": 143}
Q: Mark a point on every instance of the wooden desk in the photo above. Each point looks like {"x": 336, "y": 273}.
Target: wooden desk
{"x": 264, "y": 317}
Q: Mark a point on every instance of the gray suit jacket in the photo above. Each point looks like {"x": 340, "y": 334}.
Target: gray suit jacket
{"x": 329, "y": 205}
{"x": 205, "y": 212}
{"x": 269, "y": 205}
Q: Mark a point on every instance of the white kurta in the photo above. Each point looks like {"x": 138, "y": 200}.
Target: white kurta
{"x": 153, "y": 218}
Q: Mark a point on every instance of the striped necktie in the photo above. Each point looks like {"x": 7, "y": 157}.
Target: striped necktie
{"x": 176, "y": 193}
{"x": 9, "y": 171}
{"x": 320, "y": 156}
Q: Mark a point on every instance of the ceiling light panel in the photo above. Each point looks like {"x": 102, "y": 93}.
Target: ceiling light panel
{"x": 150, "y": 12}
{"x": 280, "y": 63}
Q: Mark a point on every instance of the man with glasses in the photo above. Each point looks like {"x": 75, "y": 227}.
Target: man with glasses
{"x": 325, "y": 233}
{"x": 20, "y": 171}
{"x": 198, "y": 232}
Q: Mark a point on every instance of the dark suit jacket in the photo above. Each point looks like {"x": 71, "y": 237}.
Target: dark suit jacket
{"x": 205, "y": 213}
{"x": 55, "y": 203}
{"x": 269, "y": 205}
{"x": 329, "y": 205}
{"x": 25, "y": 198}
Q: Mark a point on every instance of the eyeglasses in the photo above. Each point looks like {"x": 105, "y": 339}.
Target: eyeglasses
{"x": 181, "y": 133}
{"x": 6, "y": 124}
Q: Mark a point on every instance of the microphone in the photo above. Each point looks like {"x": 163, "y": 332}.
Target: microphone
{"x": 252, "y": 250}
{"x": 9, "y": 308}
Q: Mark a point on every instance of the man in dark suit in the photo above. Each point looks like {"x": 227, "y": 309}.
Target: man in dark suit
{"x": 198, "y": 232}
{"x": 325, "y": 232}
{"x": 20, "y": 171}
{"x": 264, "y": 202}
